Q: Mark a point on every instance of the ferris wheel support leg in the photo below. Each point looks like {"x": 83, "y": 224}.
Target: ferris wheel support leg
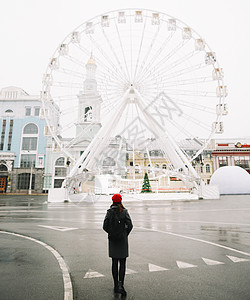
{"x": 177, "y": 157}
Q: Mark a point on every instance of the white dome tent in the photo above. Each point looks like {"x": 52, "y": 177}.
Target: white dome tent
{"x": 231, "y": 180}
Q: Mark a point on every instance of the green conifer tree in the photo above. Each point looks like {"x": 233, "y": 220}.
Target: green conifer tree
{"x": 146, "y": 187}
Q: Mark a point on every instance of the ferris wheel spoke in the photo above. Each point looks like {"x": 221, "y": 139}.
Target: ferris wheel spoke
{"x": 75, "y": 61}
{"x": 124, "y": 73}
{"x": 192, "y": 93}
{"x": 148, "y": 52}
{"x": 106, "y": 56}
{"x": 196, "y": 106}
{"x": 163, "y": 61}
{"x": 64, "y": 84}
{"x": 139, "y": 52}
{"x": 69, "y": 72}
{"x": 183, "y": 82}
{"x": 187, "y": 70}
{"x": 166, "y": 68}
{"x": 147, "y": 66}
{"x": 111, "y": 72}
{"x": 123, "y": 53}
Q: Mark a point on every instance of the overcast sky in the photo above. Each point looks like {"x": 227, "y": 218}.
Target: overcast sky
{"x": 31, "y": 30}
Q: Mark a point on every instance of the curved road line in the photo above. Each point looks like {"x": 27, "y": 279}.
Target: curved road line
{"x": 68, "y": 291}
{"x": 195, "y": 239}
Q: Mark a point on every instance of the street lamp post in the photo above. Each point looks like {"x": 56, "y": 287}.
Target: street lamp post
{"x": 30, "y": 185}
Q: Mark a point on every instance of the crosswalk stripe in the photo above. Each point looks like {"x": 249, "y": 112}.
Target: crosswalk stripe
{"x": 58, "y": 228}
{"x": 237, "y": 259}
{"x": 155, "y": 268}
{"x": 129, "y": 271}
{"x": 92, "y": 274}
{"x": 211, "y": 262}
{"x": 184, "y": 265}
{"x": 180, "y": 264}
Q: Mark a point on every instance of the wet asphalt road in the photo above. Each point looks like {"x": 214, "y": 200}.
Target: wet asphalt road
{"x": 178, "y": 250}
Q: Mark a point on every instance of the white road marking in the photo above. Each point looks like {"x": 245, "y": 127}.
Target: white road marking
{"x": 184, "y": 265}
{"x": 59, "y": 228}
{"x": 211, "y": 262}
{"x": 237, "y": 259}
{"x": 129, "y": 271}
{"x": 68, "y": 291}
{"x": 92, "y": 274}
{"x": 195, "y": 239}
{"x": 155, "y": 268}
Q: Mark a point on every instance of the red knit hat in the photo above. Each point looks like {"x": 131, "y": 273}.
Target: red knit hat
{"x": 117, "y": 198}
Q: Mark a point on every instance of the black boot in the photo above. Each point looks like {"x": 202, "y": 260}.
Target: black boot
{"x": 121, "y": 289}
{"x": 116, "y": 287}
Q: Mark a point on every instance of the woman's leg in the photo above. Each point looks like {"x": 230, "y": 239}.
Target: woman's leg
{"x": 122, "y": 270}
{"x": 115, "y": 271}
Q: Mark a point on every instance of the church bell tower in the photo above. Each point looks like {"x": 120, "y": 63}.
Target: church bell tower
{"x": 89, "y": 104}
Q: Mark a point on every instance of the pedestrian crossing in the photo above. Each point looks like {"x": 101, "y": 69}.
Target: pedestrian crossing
{"x": 180, "y": 265}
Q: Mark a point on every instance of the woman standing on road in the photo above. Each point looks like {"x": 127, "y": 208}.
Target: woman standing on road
{"x": 118, "y": 224}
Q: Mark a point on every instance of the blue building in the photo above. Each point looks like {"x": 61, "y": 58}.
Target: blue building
{"x": 23, "y": 142}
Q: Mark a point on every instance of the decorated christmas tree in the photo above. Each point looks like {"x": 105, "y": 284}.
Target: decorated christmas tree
{"x": 146, "y": 187}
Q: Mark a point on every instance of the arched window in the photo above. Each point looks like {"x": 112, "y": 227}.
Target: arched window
{"x": 207, "y": 168}
{"x": 156, "y": 165}
{"x": 60, "y": 172}
{"x": 108, "y": 162}
{"x": 3, "y": 168}
{"x": 60, "y": 169}
{"x": 29, "y": 142}
{"x": 30, "y": 129}
{"x": 137, "y": 171}
{"x": 60, "y": 161}
{"x": 88, "y": 113}
{"x": 164, "y": 166}
{"x": 9, "y": 111}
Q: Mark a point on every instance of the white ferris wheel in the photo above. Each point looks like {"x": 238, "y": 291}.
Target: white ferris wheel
{"x": 144, "y": 76}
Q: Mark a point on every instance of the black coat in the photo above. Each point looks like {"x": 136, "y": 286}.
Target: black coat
{"x": 118, "y": 249}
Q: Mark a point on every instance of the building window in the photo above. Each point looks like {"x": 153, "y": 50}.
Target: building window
{"x": 60, "y": 161}
{"x": 201, "y": 169}
{"x": 243, "y": 162}
{"x": 3, "y": 134}
{"x": 155, "y": 153}
{"x": 37, "y": 111}
{"x": 30, "y": 129}
{"x": 222, "y": 161}
{"x": 207, "y": 168}
{"x": 23, "y": 182}
{"x": 3, "y": 168}
{"x": 27, "y": 111}
{"x": 164, "y": 166}
{"x": 157, "y": 166}
{"x": 58, "y": 183}
{"x": 137, "y": 171}
{"x": 29, "y": 143}
{"x": 10, "y": 134}
{"x": 108, "y": 162}
{"x": 88, "y": 114}
{"x": 60, "y": 171}
{"x": 28, "y": 160}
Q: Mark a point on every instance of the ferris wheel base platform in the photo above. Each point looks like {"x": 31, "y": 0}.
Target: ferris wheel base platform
{"x": 58, "y": 195}
{"x": 206, "y": 192}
